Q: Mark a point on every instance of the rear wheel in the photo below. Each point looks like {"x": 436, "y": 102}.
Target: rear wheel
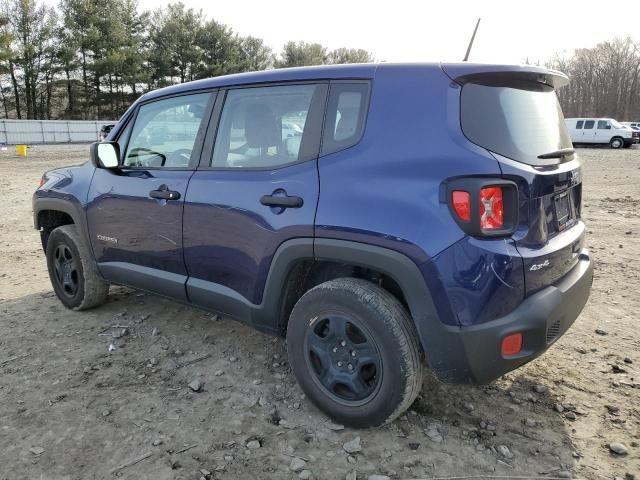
{"x": 353, "y": 349}
{"x": 72, "y": 271}
{"x": 616, "y": 142}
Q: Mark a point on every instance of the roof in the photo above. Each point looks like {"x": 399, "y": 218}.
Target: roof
{"x": 347, "y": 71}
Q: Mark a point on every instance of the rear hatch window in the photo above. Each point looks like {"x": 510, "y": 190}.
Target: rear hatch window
{"x": 519, "y": 120}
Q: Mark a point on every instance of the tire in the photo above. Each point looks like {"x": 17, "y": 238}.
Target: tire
{"x": 72, "y": 271}
{"x": 354, "y": 351}
{"x": 616, "y": 142}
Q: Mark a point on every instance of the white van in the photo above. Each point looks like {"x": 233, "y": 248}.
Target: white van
{"x": 601, "y": 131}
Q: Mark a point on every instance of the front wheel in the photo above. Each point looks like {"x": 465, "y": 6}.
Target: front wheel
{"x": 72, "y": 271}
{"x": 354, "y": 351}
{"x": 616, "y": 143}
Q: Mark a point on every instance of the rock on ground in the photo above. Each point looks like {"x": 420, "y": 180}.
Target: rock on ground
{"x": 353, "y": 446}
{"x": 618, "y": 448}
{"x": 297, "y": 464}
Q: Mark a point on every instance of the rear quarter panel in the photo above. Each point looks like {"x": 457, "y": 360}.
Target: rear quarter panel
{"x": 385, "y": 189}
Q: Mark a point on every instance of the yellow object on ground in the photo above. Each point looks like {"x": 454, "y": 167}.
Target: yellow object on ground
{"x": 21, "y": 150}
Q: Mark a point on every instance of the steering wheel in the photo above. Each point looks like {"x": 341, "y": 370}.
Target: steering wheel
{"x": 139, "y": 151}
{"x": 179, "y": 158}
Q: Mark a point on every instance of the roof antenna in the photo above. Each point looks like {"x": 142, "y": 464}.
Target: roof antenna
{"x": 473, "y": 37}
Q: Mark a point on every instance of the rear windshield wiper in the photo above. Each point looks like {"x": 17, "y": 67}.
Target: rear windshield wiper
{"x": 563, "y": 152}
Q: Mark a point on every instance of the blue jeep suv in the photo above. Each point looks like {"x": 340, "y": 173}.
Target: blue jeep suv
{"x": 384, "y": 218}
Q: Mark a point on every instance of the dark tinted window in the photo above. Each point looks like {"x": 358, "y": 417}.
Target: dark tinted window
{"x": 603, "y": 125}
{"x": 346, "y": 115}
{"x": 588, "y": 125}
{"x": 579, "y": 124}
{"x": 520, "y": 120}
{"x": 266, "y": 127}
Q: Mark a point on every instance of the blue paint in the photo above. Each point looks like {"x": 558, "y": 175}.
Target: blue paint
{"x": 385, "y": 191}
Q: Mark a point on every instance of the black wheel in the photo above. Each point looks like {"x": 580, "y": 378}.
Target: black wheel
{"x": 73, "y": 273}
{"x": 353, "y": 349}
{"x": 616, "y": 142}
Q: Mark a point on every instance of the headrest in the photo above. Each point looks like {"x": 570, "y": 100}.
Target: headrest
{"x": 261, "y": 128}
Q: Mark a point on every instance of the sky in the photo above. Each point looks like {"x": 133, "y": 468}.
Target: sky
{"x": 401, "y": 30}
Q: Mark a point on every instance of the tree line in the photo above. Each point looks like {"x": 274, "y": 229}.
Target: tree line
{"x": 605, "y": 81}
{"x": 91, "y": 59}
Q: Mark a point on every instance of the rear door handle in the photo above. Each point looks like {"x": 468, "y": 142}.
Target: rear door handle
{"x": 281, "y": 201}
{"x": 163, "y": 193}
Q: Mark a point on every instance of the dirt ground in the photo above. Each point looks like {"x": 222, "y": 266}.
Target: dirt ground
{"x": 70, "y": 409}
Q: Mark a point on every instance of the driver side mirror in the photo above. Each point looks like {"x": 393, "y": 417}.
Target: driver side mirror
{"x": 105, "y": 155}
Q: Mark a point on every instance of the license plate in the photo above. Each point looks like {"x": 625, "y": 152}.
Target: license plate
{"x": 563, "y": 210}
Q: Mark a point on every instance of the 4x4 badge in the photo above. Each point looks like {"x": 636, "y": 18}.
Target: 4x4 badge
{"x": 539, "y": 266}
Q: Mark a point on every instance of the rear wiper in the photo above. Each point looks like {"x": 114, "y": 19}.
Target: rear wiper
{"x": 563, "y": 152}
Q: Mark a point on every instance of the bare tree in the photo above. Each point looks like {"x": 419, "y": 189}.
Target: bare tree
{"x": 604, "y": 80}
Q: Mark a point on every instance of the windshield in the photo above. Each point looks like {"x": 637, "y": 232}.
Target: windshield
{"x": 520, "y": 120}
{"x": 615, "y": 124}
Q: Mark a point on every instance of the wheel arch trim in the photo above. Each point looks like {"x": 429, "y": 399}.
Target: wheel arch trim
{"x": 442, "y": 344}
{"x": 41, "y": 204}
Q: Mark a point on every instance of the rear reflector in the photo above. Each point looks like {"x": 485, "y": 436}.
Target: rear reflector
{"x": 491, "y": 209}
{"x": 511, "y": 344}
{"x": 462, "y": 204}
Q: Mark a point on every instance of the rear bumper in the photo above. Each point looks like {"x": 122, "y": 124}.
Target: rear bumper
{"x": 541, "y": 318}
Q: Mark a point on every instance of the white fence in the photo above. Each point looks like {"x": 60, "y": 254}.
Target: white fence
{"x": 14, "y": 132}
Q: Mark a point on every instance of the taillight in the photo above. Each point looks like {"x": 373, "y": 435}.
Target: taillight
{"x": 491, "y": 209}
{"x": 462, "y": 204}
{"x": 482, "y": 206}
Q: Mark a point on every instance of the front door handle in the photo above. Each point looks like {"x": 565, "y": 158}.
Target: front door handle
{"x": 281, "y": 201}
{"x": 163, "y": 193}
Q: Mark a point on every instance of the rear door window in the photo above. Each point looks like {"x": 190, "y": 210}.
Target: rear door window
{"x": 588, "y": 125}
{"x": 519, "y": 120}
{"x": 346, "y": 114}
{"x": 269, "y": 127}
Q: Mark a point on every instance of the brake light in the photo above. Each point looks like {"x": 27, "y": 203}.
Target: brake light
{"x": 462, "y": 204}
{"x": 491, "y": 208}
{"x": 481, "y": 206}
{"x": 511, "y": 344}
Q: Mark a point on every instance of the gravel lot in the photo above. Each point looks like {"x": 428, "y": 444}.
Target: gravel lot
{"x": 70, "y": 409}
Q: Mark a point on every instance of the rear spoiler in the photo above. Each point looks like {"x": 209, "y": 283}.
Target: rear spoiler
{"x": 462, "y": 73}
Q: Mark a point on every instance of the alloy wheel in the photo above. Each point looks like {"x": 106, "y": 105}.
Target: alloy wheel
{"x": 343, "y": 359}
{"x": 66, "y": 270}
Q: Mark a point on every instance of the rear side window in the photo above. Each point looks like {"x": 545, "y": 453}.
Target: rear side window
{"x": 579, "y": 124}
{"x": 588, "y": 125}
{"x": 346, "y": 114}
{"x": 519, "y": 120}
{"x": 269, "y": 127}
